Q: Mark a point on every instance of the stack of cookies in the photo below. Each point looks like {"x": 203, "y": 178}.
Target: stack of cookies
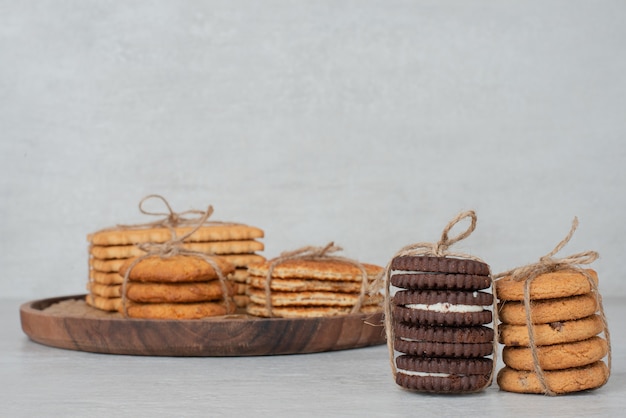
{"x": 438, "y": 316}
{"x": 310, "y": 288}
{"x": 177, "y": 287}
{"x": 565, "y": 329}
{"x": 236, "y": 244}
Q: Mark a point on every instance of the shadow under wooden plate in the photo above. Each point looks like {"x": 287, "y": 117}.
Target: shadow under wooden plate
{"x": 88, "y": 329}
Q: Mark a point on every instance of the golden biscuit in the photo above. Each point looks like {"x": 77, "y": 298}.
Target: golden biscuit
{"x": 558, "y": 284}
{"x": 177, "y": 292}
{"x": 210, "y": 232}
{"x": 315, "y": 269}
{"x": 553, "y": 333}
{"x": 559, "y": 381}
{"x": 300, "y": 285}
{"x": 178, "y": 268}
{"x": 557, "y": 356}
{"x": 311, "y": 298}
{"x": 215, "y": 247}
{"x": 177, "y": 310}
{"x": 544, "y": 311}
{"x": 308, "y": 311}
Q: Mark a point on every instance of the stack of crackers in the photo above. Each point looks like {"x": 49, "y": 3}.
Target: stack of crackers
{"x": 310, "y": 288}
{"x": 236, "y": 244}
{"x": 566, "y": 327}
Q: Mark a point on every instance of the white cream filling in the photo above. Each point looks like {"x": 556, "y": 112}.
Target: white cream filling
{"x": 445, "y": 307}
{"x": 394, "y": 272}
{"x": 423, "y": 374}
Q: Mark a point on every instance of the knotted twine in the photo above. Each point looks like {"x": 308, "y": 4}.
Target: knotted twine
{"x": 549, "y": 264}
{"x": 436, "y": 249}
{"x": 314, "y": 254}
{"x": 174, "y": 246}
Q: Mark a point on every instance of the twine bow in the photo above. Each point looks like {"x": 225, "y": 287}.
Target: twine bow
{"x": 171, "y": 218}
{"x": 547, "y": 264}
{"x": 314, "y": 253}
{"x": 436, "y": 249}
{"x": 174, "y": 246}
{"x": 440, "y": 248}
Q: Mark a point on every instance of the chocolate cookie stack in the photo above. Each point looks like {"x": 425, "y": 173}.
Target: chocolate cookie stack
{"x": 310, "y": 288}
{"x": 565, "y": 328}
{"x": 237, "y": 244}
{"x": 438, "y": 317}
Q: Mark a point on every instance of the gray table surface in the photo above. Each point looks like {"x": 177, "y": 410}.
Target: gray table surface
{"x": 38, "y": 380}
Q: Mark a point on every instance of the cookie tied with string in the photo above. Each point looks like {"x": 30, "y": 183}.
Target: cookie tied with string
{"x": 551, "y": 320}
{"x": 110, "y": 248}
{"x": 438, "y": 309}
{"x": 312, "y": 282}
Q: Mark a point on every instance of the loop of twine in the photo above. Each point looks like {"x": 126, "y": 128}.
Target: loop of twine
{"x": 548, "y": 264}
{"x": 174, "y": 246}
{"x": 172, "y": 219}
{"x": 436, "y": 249}
{"x": 314, "y": 253}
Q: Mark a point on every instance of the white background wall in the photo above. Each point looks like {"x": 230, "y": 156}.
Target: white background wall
{"x": 370, "y": 123}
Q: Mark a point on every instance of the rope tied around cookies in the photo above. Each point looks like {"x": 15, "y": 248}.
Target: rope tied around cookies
{"x": 548, "y": 264}
{"x": 436, "y": 249}
{"x": 314, "y": 253}
{"x": 175, "y": 246}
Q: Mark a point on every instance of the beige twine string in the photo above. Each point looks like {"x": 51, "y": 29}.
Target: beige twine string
{"x": 549, "y": 264}
{"x": 174, "y": 246}
{"x": 170, "y": 218}
{"x": 314, "y": 253}
{"x": 437, "y": 249}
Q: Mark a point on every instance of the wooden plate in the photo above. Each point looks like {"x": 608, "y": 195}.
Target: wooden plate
{"x": 88, "y": 329}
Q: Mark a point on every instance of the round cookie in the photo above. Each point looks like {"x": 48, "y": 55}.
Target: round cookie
{"x": 429, "y": 264}
{"x": 553, "y": 333}
{"x": 177, "y": 292}
{"x": 557, "y": 356}
{"x": 544, "y": 311}
{"x": 451, "y": 299}
{"x": 558, "y": 284}
{"x": 177, "y": 310}
{"x": 467, "y": 335}
{"x": 442, "y": 307}
{"x": 440, "y": 281}
{"x": 443, "y": 375}
{"x": 178, "y": 268}
{"x": 437, "y": 318}
{"x": 437, "y": 349}
{"x": 559, "y": 381}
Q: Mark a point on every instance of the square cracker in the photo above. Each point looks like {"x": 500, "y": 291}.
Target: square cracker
{"x": 106, "y": 252}
{"x": 210, "y": 232}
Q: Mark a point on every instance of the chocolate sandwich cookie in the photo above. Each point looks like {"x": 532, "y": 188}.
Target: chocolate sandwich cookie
{"x": 436, "y": 341}
{"x": 443, "y": 375}
{"x": 441, "y": 307}
{"x": 440, "y": 281}
{"x": 438, "y": 314}
{"x": 448, "y": 265}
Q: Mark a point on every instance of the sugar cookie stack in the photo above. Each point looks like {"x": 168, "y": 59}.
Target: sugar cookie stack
{"x": 237, "y": 244}
{"x": 310, "y": 288}
{"x": 566, "y": 324}
{"x": 177, "y": 287}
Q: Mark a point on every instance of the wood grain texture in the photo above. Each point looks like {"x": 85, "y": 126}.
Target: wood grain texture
{"x": 242, "y": 335}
